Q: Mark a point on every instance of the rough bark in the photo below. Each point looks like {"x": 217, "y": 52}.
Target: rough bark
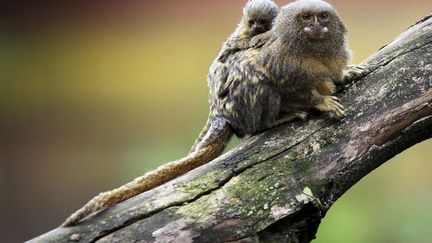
{"x": 278, "y": 185}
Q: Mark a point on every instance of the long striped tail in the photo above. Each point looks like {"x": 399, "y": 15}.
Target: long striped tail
{"x": 212, "y": 144}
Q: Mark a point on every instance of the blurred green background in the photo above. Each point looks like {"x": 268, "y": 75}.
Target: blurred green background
{"x": 95, "y": 93}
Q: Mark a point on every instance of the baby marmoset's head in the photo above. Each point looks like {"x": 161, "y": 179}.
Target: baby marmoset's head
{"x": 258, "y": 16}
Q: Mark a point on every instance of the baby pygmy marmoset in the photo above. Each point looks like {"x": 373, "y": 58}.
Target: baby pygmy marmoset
{"x": 252, "y": 31}
{"x": 257, "y": 18}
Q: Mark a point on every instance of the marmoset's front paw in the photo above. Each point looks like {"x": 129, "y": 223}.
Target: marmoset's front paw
{"x": 353, "y": 72}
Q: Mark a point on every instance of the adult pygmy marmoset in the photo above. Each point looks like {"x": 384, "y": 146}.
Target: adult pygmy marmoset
{"x": 306, "y": 48}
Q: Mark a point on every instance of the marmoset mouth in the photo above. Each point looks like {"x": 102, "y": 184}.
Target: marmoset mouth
{"x": 316, "y": 32}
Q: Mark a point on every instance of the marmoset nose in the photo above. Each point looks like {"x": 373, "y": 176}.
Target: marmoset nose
{"x": 258, "y": 28}
{"x": 314, "y": 25}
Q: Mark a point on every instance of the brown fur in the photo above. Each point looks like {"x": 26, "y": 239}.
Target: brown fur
{"x": 326, "y": 88}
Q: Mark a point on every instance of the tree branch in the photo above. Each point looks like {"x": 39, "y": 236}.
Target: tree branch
{"x": 278, "y": 185}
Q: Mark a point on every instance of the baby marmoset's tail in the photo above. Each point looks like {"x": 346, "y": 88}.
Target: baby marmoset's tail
{"x": 212, "y": 144}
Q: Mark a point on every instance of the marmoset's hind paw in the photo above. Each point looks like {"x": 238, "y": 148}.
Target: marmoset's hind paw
{"x": 332, "y": 107}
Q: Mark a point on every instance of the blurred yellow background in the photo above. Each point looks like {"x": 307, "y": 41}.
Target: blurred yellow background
{"x": 95, "y": 93}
